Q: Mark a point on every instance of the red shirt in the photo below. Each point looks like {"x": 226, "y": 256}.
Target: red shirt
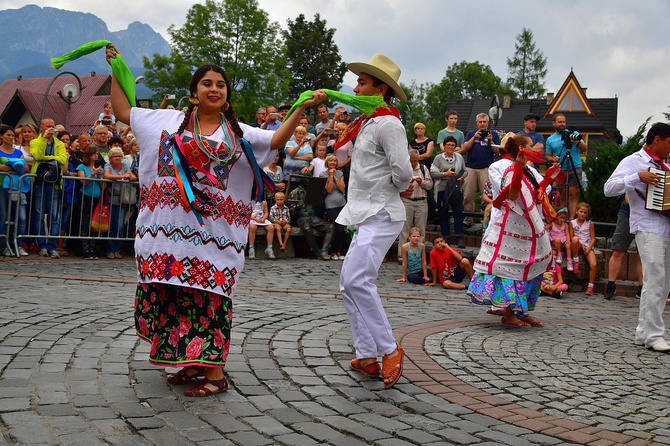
{"x": 443, "y": 262}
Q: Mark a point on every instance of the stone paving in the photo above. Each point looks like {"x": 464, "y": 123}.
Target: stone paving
{"x": 73, "y": 371}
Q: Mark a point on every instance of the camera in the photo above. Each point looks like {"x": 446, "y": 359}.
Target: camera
{"x": 106, "y": 122}
{"x": 274, "y": 115}
{"x": 575, "y": 137}
{"x": 570, "y": 138}
{"x": 54, "y": 130}
{"x": 483, "y": 134}
{"x": 171, "y": 96}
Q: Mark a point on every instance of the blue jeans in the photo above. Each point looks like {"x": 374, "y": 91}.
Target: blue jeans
{"x": 455, "y": 202}
{"x": 45, "y": 201}
{"x": 117, "y": 216}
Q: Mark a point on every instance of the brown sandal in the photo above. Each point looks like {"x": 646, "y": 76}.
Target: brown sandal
{"x": 200, "y": 390}
{"x": 371, "y": 370}
{"x": 392, "y": 368}
{"x": 183, "y": 376}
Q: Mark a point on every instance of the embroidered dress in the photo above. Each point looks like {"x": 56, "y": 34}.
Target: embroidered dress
{"x": 514, "y": 254}
{"x": 187, "y": 272}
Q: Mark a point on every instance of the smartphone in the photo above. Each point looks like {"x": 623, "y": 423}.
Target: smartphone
{"x": 274, "y": 115}
{"x": 171, "y": 96}
{"x": 331, "y": 131}
{"x": 106, "y": 122}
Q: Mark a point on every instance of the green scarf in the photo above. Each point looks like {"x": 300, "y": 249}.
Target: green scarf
{"x": 121, "y": 71}
{"x": 366, "y": 104}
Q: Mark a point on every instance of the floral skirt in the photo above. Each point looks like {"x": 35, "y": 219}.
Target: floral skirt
{"x": 518, "y": 295}
{"x": 185, "y": 326}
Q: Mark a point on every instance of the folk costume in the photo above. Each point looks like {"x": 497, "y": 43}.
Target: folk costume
{"x": 380, "y": 169}
{"x": 189, "y": 254}
{"x": 515, "y": 251}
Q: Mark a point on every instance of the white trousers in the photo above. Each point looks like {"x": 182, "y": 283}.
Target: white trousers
{"x": 370, "y": 328}
{"x": 654, "y": 252}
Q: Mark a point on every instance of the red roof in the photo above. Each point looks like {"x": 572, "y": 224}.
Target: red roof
{"x": 77, "y": 118}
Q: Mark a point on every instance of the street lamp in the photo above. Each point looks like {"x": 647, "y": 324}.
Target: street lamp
{"x": 181, "y": 99}
{"x": 70, "y": 92}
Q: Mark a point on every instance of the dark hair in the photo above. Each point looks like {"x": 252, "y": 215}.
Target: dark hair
{"x": 229, "y": 114}
{"x": 4, "y": 128}
{"x": 389, "y": 91}
{"x": 449, "y": 113}
{"x": 90, "y": 150}
{"x": 512, "y": 145}
{"x": 450, "y": 139}
{"x": 660, "y": 129}
{"x": 115, "y": 140}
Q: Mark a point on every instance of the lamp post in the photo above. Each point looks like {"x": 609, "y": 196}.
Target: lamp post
{"x": 181, "y": 99}
{"x": 70, "y": 93}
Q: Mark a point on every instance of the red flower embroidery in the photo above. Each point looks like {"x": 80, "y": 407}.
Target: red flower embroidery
{"x": 143, "y": 326}
{"x": 184, "y": 325}
{"x": 154, "y": 345}
{"x": 145, "y": 268}
{"x": 177, "y": 269}
{"x": 204, "y": 322}
{"x": 167, "y": 356}
{"x": 174, "y": 337}
{"x": 197, "y": 298}
{"x": 210, "y": 312}
{"x": 218, "y": 338}
{"x": 230, "y": 315}
{"x": 162, "y": 320}
{"x": 194, "y": 348}
{"x": 219, "y": 278}
{"x": 171, "y": 310}
{"x": 225, "y": 351}
{"x": 145, "y": 306}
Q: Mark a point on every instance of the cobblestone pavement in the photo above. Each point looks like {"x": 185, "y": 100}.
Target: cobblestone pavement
{"x": 73, "y": 371}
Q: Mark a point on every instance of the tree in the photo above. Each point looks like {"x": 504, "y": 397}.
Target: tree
{"x": 527, "y": 68}
{"x": 464, "y": 80}
{"x": 312, "y": 56}
{"x": 598, "y": 169}
{"x": 167, "y": 74}
{"x": 236, "y": 35}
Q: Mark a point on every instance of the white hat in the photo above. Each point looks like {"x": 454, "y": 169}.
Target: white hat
{"x": 383, "y": 69}
{"x": 504, "y": 139}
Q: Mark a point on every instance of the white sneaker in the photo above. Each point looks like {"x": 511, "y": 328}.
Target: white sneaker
{"x": 23, "y": 253}
{"x": 559, "y": 259}
{"x": 252, "y": 253}
{"x": 270, "y": 253}
{"x": 44, "y": 252}
{"x": 8, "y": 253}
{"x": 54, "y": 254}
{"x": 334, "y": 257}
{"x": 570, "y": 265}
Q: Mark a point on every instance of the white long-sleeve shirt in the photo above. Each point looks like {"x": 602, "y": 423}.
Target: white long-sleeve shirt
{"x": 625, "y": 178}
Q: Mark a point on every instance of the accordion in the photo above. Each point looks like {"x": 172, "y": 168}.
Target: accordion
{"x": 658, "y": 196}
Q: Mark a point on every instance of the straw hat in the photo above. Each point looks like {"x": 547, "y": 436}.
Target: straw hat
{"x": 383, "y": 69}
{"x": 504, "y": 139}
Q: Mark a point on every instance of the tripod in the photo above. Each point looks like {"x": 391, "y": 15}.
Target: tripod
{"x": 567, "y": 157}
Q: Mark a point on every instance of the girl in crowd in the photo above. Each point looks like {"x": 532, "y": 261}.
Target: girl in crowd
{"x": 334, "y": 202}
{"x": 583, "y": 237}
{"x": 298, "y": 154}
{"x": 189, "y": 244}
{"x": 12, "y": 167}
{"x": 118, "y": 171}
{"x": 414, "y": 265}
{"x": 90, "y": 194}
{"x": 559, "y": 235}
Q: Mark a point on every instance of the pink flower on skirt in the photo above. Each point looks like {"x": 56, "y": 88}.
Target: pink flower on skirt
{"x": 184, "y": 325}
{"x": 204, "y": 322}
{"x": 173, "y": 339}
{"x": 154, "y": 345}
{"x": 144, "y": 329}
{"x": 194, "y": 348}
{"x": 218, "y": 338}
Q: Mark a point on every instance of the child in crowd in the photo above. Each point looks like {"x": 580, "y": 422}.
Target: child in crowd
{"x": 318, "y": 164}
{"x": 259, "y": 217}
{"x": 583, "y": 237}
{"x": 280, "y": 216}
{"x": 448, "y": 266}
{"x": 414, "y": 266}
{"x": 107, "y": 114}
{"x": 276, "y": 174}
{"x": 552, "y": 280}
{"x": 559, "y": 235}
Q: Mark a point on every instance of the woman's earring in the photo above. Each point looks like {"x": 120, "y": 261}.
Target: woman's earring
{"x": 193, "y": 101}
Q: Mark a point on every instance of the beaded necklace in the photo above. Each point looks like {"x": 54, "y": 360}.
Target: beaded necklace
{"x": 220, "y": 152}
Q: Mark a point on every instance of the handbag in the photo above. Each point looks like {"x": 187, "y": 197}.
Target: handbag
{"x": 100, "y": 216}
{"x": 48, "y": 171}
{"x": 128, "y": 193}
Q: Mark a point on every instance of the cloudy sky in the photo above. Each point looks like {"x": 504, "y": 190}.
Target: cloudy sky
{"x": 615, "y": 47}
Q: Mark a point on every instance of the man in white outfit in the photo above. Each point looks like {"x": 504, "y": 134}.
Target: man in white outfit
{"x": 380, "y": 169}
{"x": 651, "y": 229}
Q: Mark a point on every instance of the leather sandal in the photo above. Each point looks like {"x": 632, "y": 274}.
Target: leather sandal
{"x": 200, "y": 390}
{"x": 183, "y": 376}
{"x": 372, "y": 370}
{"x": 392, "y": 368}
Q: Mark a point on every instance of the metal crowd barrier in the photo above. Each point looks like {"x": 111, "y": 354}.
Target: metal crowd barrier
{"x": 72, "y": 213}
